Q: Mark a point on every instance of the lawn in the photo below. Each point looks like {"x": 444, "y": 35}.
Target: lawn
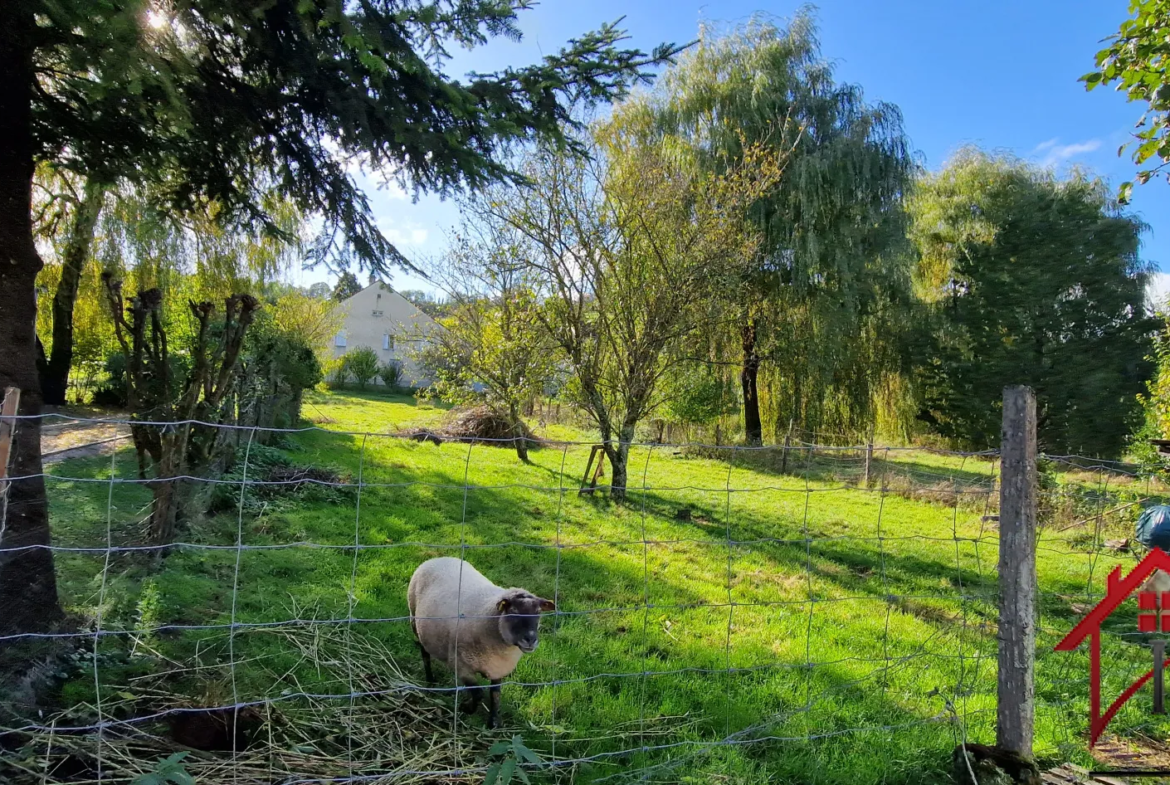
{"x": 833, "y": 633}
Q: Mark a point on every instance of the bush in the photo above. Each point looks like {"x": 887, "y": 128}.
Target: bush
{"x": 391, "y": 373}
{"x": 337, "y": 371}
{"x": 362, "y": 365}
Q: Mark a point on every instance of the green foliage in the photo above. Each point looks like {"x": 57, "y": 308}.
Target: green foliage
{"x": 278, "y": 365}
{"x": 512, "y": 756}
{"x": 217, "y": 100}
{"x": 828, "y": 289}
{"x": 149, "y": 610}
{"x": 362, "y": 364}
{"x": 390, "y": 373}
{"x": 347, "y": 286}
{"x": 1031, "y": 280}
{"x": 699, "y": 394}
{"x": 168, "y": 771}
{"x": 1135, "y": 60}
{"x": 1155, "y": 404}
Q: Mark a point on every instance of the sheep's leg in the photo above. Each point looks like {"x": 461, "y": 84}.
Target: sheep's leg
{"x": 426, "y": 658}
{"x": 494, "y": 704}
{"x": 471, "y": 704}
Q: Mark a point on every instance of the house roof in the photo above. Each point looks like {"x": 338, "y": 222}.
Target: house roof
{"x": 418, "y": 314}
{"x": 1117, "y": 590}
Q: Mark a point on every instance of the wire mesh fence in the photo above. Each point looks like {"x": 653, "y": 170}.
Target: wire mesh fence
{"x": 807, "y": 612}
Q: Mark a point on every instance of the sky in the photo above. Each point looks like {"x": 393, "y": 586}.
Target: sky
{"x": 1000, "y": 75}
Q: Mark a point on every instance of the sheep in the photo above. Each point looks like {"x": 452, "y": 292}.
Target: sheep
{"x": 479, "y": 629}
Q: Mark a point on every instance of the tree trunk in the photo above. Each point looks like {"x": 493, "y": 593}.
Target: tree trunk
{"x": 752, "y": 428}
{"x": 517, "y": 425}
{"x": 55, "y": 374}
{"x": 619, "y": 458}
{"x": 28, "y": 586}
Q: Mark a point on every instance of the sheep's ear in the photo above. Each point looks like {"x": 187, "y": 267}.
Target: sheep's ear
{"x": 502, "y": 605}
{"x": 547, "y": 606}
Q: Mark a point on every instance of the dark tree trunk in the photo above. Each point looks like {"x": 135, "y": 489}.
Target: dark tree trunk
{"x": 28, "y": 586}
{"x": 55, "y": 374}
{"x": 517, "y": 425}
{"x": 748, "y": 377}
{"x": 619, "y": 459}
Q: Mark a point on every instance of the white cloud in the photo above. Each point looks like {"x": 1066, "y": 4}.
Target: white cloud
{"x": 407, "y": 235}
{"x": 1056, "y": 154}
{"x": 1158, "y": 290}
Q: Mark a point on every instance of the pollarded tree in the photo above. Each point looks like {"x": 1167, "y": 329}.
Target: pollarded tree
{"x": 629, "y": 250}
{"x": 222, "y": 101}
{"x": 818, "y": 304}
{"x": 1032, "y": 280}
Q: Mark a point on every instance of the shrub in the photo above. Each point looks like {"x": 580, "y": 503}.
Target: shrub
{"x": 391, "y": 373}
{"x": 362, "y": 365}
{"x": 337, "y": 371}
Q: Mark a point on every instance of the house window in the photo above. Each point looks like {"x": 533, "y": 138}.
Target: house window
{"x": 387, "y": 342}
{"x": 340, "y": 340}
{"x": 377, "y": 314}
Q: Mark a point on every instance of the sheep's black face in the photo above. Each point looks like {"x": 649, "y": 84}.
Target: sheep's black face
{"x": 520, "y": 618}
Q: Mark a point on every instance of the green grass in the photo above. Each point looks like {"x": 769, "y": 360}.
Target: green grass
{"x": 889, "y": 596}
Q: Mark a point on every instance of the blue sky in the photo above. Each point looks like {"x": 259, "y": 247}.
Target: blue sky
{"x": 1000, "y": 75}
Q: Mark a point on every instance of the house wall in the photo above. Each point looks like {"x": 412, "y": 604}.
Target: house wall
{"x": 378, "y": 311}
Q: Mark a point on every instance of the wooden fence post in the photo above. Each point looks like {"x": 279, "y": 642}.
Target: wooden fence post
{"x": 1015, "y": 711}
{"x": 8, "y": 410}
{"x": 868, "y": 456}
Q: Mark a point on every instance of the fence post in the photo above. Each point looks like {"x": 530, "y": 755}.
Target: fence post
{"x": 787, "y": 444}
{"x": 868, "y": 456}
{"x": 1017, "y": 572}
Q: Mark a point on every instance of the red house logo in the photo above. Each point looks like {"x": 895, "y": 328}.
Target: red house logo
{"x": 1117, "y": 591}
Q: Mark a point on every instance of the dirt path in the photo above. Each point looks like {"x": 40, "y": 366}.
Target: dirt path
{"x": 61, "y": 439}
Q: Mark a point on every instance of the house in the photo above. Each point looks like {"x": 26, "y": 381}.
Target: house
{"x": 1117, "y": 591}
{"x": 388, "y": 323}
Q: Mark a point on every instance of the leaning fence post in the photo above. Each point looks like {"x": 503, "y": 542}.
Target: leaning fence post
{"x": 1017, "y": 572}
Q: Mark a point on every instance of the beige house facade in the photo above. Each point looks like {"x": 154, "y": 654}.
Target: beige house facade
{"x": 388, "y": 323}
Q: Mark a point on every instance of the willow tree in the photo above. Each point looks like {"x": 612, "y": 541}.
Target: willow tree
{"x": 817, "y": 309}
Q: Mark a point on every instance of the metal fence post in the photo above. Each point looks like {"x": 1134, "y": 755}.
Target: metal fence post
{"x": 1015, "y": 712}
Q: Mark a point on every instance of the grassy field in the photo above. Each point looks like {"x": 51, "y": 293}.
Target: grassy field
{"x": 835, "y": 633}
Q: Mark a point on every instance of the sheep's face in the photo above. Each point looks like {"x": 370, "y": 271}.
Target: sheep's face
{"x": 520, "y": 618}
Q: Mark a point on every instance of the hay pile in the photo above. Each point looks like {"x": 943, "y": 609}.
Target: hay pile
{"x": 477, "y": 425}
{"x": 398, "y": 735}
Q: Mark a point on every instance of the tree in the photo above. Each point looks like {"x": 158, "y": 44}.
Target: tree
{"x": 222, "y": 101}
{"x": 817, "y": 306}
{"x": 347, "y": 286}
{"x": 362, "y": 365}
{"x": 1136, "y": 61}
{"x": 627, "y": 250}
{"x": 493, "y": 346}
{"x": 68, "y": 216}
{"x": 312, "y": 321}
{"x": 320, "y": 291}
{"x": 1032, "y": 280}
{"x": 390, "y": 373}
{"x": 428, "y": 303}
{"x": 156, "y": 393}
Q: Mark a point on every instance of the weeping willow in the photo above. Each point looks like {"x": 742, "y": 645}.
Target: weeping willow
{"x": 823, "y": 309}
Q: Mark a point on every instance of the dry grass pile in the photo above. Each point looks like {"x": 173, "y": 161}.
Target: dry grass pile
{"x": 392, "y": 732}
{"x": 476, "y": 425}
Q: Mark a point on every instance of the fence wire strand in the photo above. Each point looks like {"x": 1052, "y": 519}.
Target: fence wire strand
{"x": 818, "y": 568}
